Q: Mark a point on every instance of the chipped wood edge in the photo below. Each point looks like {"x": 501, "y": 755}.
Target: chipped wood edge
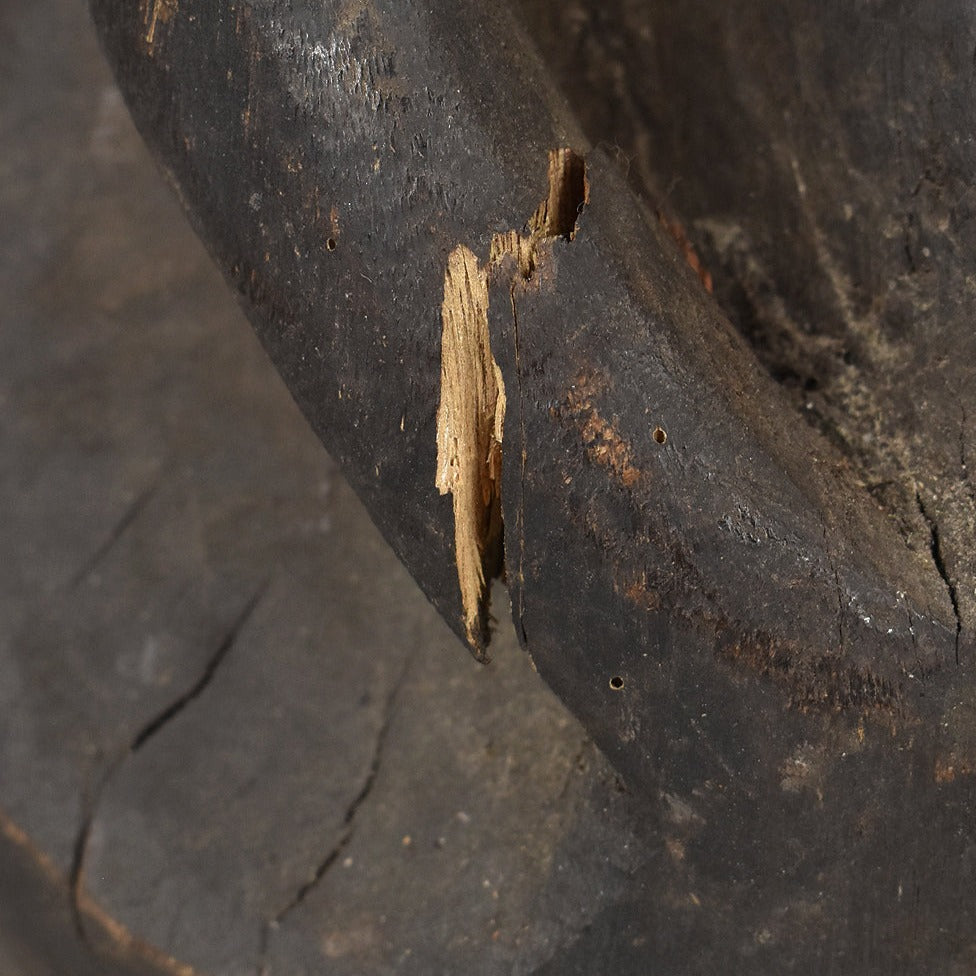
{"x": 471, "y": 413}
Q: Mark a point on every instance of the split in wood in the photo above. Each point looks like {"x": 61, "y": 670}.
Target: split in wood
{"x": 471, "y": 415}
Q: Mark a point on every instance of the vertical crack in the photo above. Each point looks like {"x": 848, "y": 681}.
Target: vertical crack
{"x": 938, "y": 558}
{"x": 520, "y": 527}
{"x": 348, "y": 821}
{"x": 471, "y": 412}
{"x": 92, "y": 801}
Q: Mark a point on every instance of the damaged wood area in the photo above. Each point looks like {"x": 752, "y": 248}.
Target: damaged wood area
{"x": 471, "y": 414}
{"x": 470, "y": 428}
{"x": 717, "y": 440}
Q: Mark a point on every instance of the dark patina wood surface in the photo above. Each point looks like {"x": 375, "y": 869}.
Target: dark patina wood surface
{"x": 762, "y": 621}
{"x": 234, "y": 736}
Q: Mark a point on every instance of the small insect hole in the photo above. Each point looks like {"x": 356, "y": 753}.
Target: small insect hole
{"x": 330, "y": 244}
{"x": 660, "y": 435}
{"x": 617, "y": 683}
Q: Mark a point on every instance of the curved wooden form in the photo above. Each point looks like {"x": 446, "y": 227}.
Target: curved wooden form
{"x": 698, "y": 573}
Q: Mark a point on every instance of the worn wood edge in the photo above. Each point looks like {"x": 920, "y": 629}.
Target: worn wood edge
{"x": 620, "y": 251}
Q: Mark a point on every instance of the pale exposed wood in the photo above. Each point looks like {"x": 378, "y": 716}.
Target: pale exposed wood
{"x": 470, "y": 423}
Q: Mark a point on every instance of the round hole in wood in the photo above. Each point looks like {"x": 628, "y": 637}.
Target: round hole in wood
{"x": 617, "y": 683}
{"x": 660, "y": 435}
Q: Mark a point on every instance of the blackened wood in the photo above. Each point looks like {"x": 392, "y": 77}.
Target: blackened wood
{"x": 700, "y": 575}
{"x": 819, "y": 157}
{"x": 204, "y": 697}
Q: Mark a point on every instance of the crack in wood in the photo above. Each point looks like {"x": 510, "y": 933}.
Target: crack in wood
{"x": 471, "y": 413}
{"x": 520, "y": 527}
{"x": 348, "y": 819}
{"x": 151, "y": 728}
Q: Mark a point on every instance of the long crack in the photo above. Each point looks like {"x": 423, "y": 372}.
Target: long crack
{"x": 348, "y": 820}
{"x": 520, "y": 528}
{"x": 938, "y": 558}
{"x": 151, "y": 728}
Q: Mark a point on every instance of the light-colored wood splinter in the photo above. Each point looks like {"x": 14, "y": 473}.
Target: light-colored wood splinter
{"x": 470, "y": 422}
{"x": 156, "y": 12}
{"x": 471, "y": 414}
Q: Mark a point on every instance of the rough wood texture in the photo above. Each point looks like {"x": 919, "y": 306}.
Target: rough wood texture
{"x": 745, "y": 610}
{"x": 234, "y": 736}
{"x": 821, "y": 161}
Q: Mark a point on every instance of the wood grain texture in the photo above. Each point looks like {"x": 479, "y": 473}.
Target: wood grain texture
{"x": 760, "y": 620}
{"x": 211, "y": 746}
